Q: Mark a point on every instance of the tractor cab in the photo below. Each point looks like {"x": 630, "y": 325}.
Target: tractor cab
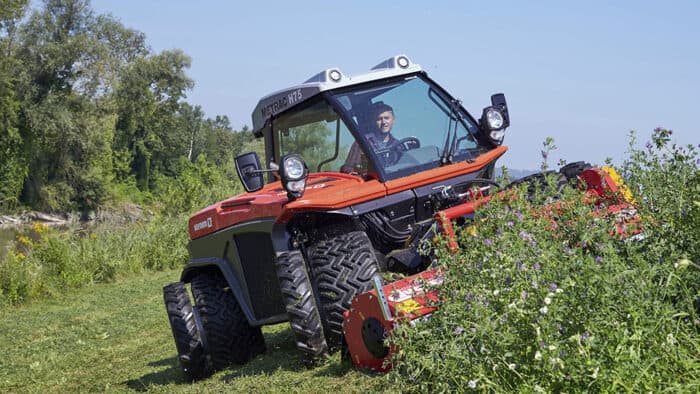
{"x": 386, "y": 124}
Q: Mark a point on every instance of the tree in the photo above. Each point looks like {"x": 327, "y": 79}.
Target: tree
{"x": 149, "y": 122}
{"x": 12, "y": 163}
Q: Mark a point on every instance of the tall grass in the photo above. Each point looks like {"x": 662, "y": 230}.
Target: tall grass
{"x": 528, "y": 307}
{"x": 45, "y": 262}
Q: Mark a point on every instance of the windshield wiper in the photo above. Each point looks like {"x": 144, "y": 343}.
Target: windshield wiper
{"x": 451, "y": 140}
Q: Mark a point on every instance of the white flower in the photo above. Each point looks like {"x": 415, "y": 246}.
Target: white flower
{"x": 495, "y": 292}
{"x": 552, "y": 347}
{"x": 547, "y": 300}
{"x": 511, "y": 366}
{"x": 472, "y": 384}
{"x": 559, "y": 290}
{"x": 538, "y": 355}
{"x": 543, "y": 310}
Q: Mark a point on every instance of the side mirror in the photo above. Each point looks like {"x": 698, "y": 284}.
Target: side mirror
{"x": 250, "y": 171}
{"x": 498, "y": 100}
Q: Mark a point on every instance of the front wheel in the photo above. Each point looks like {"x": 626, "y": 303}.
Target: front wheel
{"x": 300, "y": 304}
{"x": 230, "y": 339}
{"x": 342, "y": 267}
{"x": 191, "y": 350}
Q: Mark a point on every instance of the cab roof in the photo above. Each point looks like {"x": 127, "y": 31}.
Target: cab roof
{"x": 332, "y": 78}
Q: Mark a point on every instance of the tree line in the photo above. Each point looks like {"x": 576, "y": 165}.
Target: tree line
{"x": 88, "y": 109}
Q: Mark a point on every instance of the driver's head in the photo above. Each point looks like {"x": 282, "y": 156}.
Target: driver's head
{"x": 383, "y": 116}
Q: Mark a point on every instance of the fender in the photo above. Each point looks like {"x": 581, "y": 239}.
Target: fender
{"x": 224, "y": 267}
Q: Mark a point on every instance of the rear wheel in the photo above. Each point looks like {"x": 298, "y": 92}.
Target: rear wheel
{"x": 300, "y": 303}
{"x": 191, "y": 350}
{"x": 342, "y": 267}
{"x": 229, "y": 337}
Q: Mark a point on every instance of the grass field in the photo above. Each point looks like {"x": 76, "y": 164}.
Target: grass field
{"x": 116, "y": 337}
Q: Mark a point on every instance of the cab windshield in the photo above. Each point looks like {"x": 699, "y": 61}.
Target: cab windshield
{"x": 389, "y": 130}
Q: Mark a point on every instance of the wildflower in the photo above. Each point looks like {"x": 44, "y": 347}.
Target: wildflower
{"x": 547, "y": 301}
{"x": 537, "y": 266}
{"x": 598, "y": 259}
{"x": 472, "y": 384}
{"x": 458, "y": 330}
{"x": 525, "y": 236}
{"x": 509, "y": 223}
{"x": 524, "y": 295}
{"x": 511, "y": 366}
{"x": 509, "y": 280}
{"x": 488, "y": 242}
{"x": 39, "y": 227}
{"x": 519, "y": 265}
{"x": 542, "y": 344}
{"x": 544, "y": 154}
{"x": 648, "y": 145}
{"x": 93, "y": 236}
{"x": 552, "y": 286}
{"x": 544, "y": 310}
{"x": 24, "y": 240}
{"x": 20, "y": 256}
{"x": 538, "y": 355}
{"x": 499, "y": 232}
{"x": 496, "y": 292}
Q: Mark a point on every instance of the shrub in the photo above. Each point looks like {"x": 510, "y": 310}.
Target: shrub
{"x": 527, "y": 307}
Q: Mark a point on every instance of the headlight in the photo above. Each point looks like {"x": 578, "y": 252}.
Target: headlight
{"x": 495, "y": 119}
{"x": 293, "y": 173}
{"x": 294, "y": 168}
{"x": 497, "y": 136}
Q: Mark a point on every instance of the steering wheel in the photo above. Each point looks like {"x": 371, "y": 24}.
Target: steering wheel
{"x": 409, "y": 143}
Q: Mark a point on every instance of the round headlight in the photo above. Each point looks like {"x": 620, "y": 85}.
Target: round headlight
{"x": 335, "y": 75}
{"x": 294, "y": 168}
{"x": 497, "y": 136}
{"x": 495, "y": 119}
{"x": 402, "y": 61}
{"x": 296, "y": 186}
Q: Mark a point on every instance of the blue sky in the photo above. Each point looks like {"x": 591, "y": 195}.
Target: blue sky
{"x": 584, "y": 73}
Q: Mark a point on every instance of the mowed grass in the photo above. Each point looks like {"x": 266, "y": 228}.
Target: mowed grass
{"x": 116, "y": 337}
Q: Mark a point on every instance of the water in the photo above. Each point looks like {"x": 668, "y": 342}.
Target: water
{"x": 7, "y": 234}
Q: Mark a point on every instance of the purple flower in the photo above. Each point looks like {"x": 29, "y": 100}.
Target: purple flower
{"x": 648, "y": 145}
{"x": 585, "y": 336}
{"x": 599, "y": 259}
{"x": 459, "y": 330}
{"x": 509, "y": 224}
{"x": 524, "y": 295}
{"x": 488, "y": 242}
{"x": 568, "y": 250}
{"x": 509, "y": 280}
{"x": 552, "y": 287}
{"x": 537, "y": 266}
{"x": 544, "y": 154}
{"x": 519, "y": 265}
{"x": 499, "y": 232}
{"x": 542, "y": 344}
{"x": 519, "y": 215}
{"x": 525, "y": 236}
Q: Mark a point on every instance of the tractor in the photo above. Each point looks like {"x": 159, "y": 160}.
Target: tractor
{"x": 358, "y": 171}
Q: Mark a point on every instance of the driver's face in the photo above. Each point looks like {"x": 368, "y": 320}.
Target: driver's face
{"x": 385, "y": 121}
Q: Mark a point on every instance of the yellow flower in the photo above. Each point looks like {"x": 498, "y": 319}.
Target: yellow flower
{"x": 93, "y": 236}
{"x": 39, "y": 227}
{"x": 20, "y": 256}
{"x": 23, "y": 239}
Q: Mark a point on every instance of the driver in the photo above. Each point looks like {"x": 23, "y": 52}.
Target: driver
{"x": 380, "y": 139}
